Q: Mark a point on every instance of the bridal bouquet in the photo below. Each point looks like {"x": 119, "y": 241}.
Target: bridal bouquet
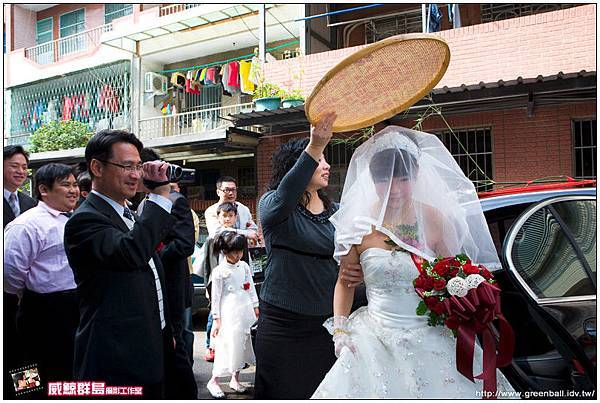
{"x": 442, "y": 281}
{"x": 465, "y": 298}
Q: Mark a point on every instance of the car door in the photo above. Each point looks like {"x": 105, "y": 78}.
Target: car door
{"x": 550, "y": 256}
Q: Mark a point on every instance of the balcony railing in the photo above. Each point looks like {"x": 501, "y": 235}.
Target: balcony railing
{"x": 195, "y": 122}
{"x": 175, "y": 8}
{"x": 59, "y": 49}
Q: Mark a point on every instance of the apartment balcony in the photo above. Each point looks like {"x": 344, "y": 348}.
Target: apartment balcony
{"x": 194, "y": 123}
{"x": 176, "y": 8}
{"x": 65, "y": 48}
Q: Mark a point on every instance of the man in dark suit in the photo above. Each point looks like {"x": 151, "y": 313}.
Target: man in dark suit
{"x": 16, "y": 161}
{"x": 177, "y": 246}
{"x": 124, "y": 335}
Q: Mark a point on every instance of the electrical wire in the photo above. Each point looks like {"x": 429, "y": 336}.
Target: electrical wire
{"x": 280, "y": 23}
{"x": 246, "y": 25}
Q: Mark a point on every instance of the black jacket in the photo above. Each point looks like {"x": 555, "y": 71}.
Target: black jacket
{"x": 119, "y": 339}
{"x": 179, "y": 245}
{"x": 25, "y": 203}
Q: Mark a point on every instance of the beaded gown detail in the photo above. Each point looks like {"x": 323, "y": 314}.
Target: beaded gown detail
{"x": 397, "y": 354}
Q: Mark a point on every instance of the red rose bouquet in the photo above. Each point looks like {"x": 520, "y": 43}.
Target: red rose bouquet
{"x": 443, "y": 279}
{"x": 465, "y": 298}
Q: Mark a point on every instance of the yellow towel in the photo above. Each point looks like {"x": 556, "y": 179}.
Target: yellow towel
{"x": 247, "y": 85}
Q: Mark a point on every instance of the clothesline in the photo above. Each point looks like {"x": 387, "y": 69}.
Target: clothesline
{"x": 228, "y": 60}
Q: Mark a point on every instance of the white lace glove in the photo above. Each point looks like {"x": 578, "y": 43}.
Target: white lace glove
{"x": 341, "y": 335}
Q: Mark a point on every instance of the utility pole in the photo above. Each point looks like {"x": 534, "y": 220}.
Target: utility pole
{"x": 262, "y": 33}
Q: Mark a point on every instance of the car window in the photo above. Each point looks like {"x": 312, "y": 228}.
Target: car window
{"x": 545, "y": 258}
{"x": 500, "y": 220}
{"x": 580, "y": 217}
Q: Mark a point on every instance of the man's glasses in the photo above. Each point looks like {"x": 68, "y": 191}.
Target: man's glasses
{"x": 128, "y": 168}
{"x": 229, "y": 190}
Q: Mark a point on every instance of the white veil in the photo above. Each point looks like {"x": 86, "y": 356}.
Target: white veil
{"x": 406, "y": 184}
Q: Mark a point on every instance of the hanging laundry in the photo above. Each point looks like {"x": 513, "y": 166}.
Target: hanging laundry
{"x": 234, "y": 75}
{"x": 67, "y": 108}
{"x": 34, "y": 118}
{"x": 197, "y": 75}
{"x": 202, "y": 75}
{"x": 53, "y": 109}
{"x": 192, "y": 87}
{"x": 217, "y": 74}
{"x": 247, "y": 86}
{"x": 454, "y": 15}
{"x": 87, "y": 103}
{"x": 435, "y": 18}
{"x": 108, "y": 99}
{"x": 254, "y": 73}
{"x": 178, "y": 80}
{"x": 210, "y": 76}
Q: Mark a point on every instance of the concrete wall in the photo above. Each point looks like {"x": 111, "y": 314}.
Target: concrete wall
{"x": 23, "y": 27}
{"x": 147, "y": 109}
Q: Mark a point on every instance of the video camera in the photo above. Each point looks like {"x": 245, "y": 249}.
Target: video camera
{"x": 175, "y": 173}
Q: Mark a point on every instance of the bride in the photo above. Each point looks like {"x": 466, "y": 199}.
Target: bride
{"x": 403, "y": 194}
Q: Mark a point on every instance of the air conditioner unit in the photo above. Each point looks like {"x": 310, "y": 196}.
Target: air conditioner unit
{"x": 155, "y": 83}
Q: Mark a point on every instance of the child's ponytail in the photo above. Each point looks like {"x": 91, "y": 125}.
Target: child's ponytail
{"x": 229, "y": 241}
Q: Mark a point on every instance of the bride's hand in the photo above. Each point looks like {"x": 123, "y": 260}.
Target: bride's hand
{"x": 342, "y": 341}
{"x": 351, "y": 274}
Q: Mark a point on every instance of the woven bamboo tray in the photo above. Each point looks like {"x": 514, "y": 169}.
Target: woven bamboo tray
{"x": 379, "y": 81}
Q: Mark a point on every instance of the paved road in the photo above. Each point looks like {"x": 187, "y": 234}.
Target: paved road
{"x": 203, "y": 369}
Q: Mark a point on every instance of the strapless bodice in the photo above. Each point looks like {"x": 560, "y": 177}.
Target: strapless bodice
{"x": 390, "y": 293}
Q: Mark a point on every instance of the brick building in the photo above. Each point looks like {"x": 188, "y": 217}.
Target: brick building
{"x": 524, "y": 88}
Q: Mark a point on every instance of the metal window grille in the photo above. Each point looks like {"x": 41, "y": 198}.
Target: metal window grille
{"x": 476, "y": 143}
{"x": 70, "y": 24}
{"x": 503, "y": 11}
{"x": 100, "y": 97}
{"x": 403, "y": 23}
{"x": 246, "y": 182}
{"x": 584, "y": 148}
{"x": 338, "y": 156}
{"x": 116, "y": 10}
{"x": 210, "y": 97}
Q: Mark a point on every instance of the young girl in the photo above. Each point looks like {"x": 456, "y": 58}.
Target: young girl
{"x": 235, "y": 309}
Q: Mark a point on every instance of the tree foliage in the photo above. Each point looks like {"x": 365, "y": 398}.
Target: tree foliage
{"x": 62, "y": 135}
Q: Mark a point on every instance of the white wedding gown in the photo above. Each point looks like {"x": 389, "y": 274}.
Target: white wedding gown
{"x": 397, "y": 354}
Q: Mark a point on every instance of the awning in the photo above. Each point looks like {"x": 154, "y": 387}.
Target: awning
{"x": 529, "y": 92}
{"x": 201, "y": 30}
{"x": 207, "y": 146}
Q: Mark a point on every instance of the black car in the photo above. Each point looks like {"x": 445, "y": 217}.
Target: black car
{"x": 547, "y": 242}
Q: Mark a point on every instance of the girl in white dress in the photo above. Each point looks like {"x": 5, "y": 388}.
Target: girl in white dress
{"x": 235, "y": 309}
{"x": 404, "y": 194}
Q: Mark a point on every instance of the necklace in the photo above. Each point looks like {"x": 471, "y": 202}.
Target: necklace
{"x": 407, "y": 233}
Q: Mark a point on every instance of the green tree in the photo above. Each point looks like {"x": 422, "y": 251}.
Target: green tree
{"x": 62, "y": 135}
